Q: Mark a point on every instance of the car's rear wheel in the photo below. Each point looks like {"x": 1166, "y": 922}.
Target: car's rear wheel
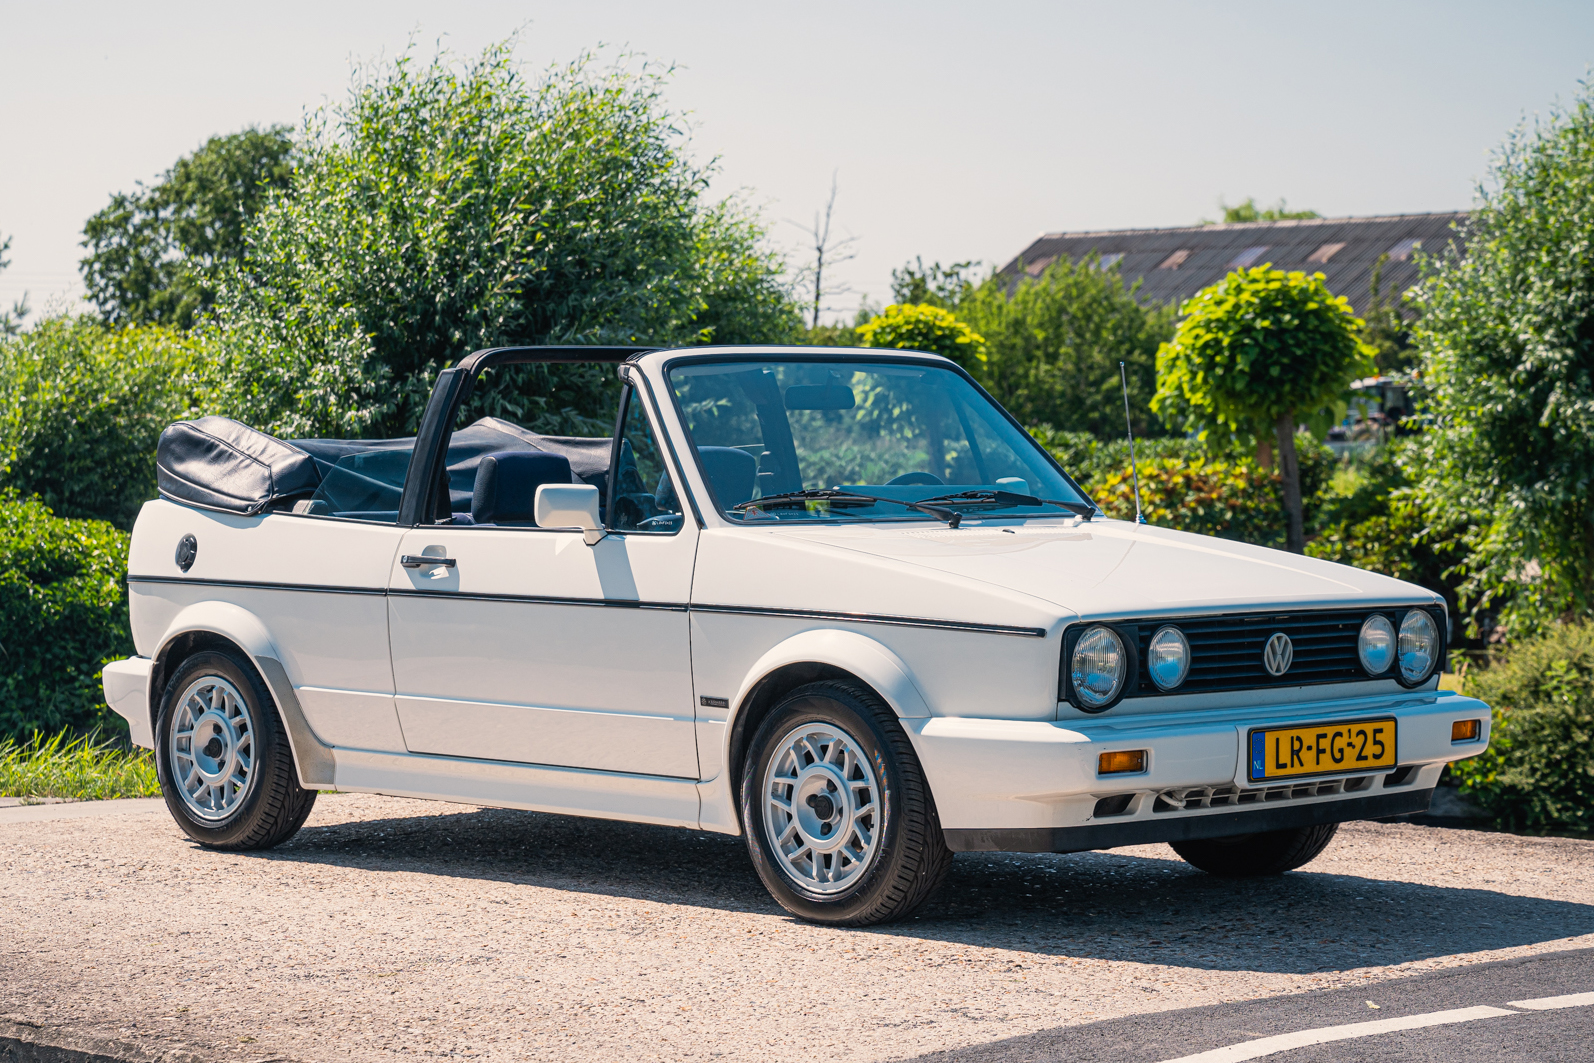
{"x": 840, "y": 821}
{"x": 223, "y": 759}
{"x": 1252, "y": 855}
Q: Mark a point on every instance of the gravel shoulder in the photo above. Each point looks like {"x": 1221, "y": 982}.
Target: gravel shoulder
{"x": 391, "y": 928}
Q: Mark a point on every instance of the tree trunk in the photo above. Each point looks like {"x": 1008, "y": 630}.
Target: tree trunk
{"x": 1264, "y": 453}
{"x": 1295, "y": 536}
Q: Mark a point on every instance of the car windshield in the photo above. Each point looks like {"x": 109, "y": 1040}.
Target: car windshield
{"x": 898, "y": 431}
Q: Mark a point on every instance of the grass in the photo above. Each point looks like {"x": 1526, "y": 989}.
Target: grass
{"x": 86, "y": 767}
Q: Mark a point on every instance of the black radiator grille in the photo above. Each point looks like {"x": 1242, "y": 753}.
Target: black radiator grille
{"x": 1226, "y": 651}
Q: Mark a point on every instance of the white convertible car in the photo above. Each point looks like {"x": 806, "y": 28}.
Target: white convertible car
{"x": 836, "y": 601}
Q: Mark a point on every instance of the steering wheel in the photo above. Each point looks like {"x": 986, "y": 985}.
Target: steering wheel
{"x": 917, "y": 479}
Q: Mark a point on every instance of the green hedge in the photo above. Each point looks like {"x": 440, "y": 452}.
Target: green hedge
{"x": 84, "y": 405}
{"x": 63, "y": 614}
{"x": 1538, "y": 773}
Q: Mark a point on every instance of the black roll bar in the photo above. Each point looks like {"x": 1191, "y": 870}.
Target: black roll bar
{"x": 453, "y": 387}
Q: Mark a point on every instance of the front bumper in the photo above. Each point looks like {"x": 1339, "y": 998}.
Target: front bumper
{"x": 1032, "y": 786}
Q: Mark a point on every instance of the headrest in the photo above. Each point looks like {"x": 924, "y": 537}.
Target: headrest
{"x": 731, "y": 473}
{"x": 507, "y": 482}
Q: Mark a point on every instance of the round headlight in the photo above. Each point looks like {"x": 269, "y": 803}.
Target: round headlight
{"x": 1168, "y": 658}
{"x": 1376, "y": 644}
{"x": 1419, "y": 646}
{"x": 1098, "y": 667}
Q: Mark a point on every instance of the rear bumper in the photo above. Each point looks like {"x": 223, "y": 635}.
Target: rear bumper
{"x": 126, "y": 686}
{"x": 1110, "y": 835}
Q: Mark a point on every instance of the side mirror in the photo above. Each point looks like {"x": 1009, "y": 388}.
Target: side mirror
{"x": 569, "y": 506}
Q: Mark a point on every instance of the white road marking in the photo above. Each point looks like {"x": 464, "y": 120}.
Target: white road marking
{"x": 1266, "y": 1046}
{"x": 1571, "y": 1000}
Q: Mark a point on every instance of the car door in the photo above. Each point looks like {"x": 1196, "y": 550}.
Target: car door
{"x": 526, "y": 644}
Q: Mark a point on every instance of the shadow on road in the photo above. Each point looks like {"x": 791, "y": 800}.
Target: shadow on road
{"x": 1086, "y": 905}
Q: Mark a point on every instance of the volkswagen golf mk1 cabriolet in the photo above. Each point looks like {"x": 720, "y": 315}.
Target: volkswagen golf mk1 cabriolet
{"x": 836, "y": 601}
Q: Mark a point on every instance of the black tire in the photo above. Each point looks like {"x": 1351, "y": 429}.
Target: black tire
{"x": 1253, "y": 855}
{"x": 273, "y": 805}
{"x": 911, "y": 857}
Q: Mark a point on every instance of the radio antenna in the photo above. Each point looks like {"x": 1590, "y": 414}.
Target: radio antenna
{"x": 1129, "y": 428}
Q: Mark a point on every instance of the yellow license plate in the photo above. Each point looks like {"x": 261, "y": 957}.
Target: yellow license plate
{"x": 1321, "y": 749}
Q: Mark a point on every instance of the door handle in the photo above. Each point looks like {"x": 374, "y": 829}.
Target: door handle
{"x": 422, "y": 560}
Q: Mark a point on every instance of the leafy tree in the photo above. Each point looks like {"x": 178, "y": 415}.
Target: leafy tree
{"x": 935, "y": 284}
{"x": 85, "y": 404}
{"x": 1054, "y": 343}
{"x": 11, "y": 320}
{"x": 1260, "y": 350}
{"x": 1249, "y": 211}
{"x": 1507, "y": 350}
{"x": 153, "y": 253}
{"x": 925, "y": 328}
{"x": 453, "y": 206}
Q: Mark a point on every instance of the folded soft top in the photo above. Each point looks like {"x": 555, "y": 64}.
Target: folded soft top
{"x": 218, "y": 463}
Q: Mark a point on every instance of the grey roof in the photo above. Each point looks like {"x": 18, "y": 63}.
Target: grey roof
{"x": 1174, "y": 264}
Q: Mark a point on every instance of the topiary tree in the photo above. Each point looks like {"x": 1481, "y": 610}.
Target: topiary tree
{"x": 1506, "y": 342}
{"x": 1256, "y": 353}
{"x": 919, "y": 327}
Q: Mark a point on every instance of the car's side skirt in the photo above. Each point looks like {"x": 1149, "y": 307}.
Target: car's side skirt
{"x": 532, "y": 787}
{"x": 1179, "y": 828}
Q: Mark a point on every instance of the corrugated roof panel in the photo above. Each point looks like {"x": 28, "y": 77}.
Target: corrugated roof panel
{"x": 1204, "y": 253}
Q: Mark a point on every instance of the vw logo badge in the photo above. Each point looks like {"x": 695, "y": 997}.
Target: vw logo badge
{"x": 1278, "y": 654}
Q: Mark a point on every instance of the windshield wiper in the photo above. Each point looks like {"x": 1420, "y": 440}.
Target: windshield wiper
{"x": 1008, "y": 498}
{"x": 952, "y": 517}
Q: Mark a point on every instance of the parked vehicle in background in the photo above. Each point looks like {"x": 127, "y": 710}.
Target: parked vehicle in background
{"x": 835, "y": 601}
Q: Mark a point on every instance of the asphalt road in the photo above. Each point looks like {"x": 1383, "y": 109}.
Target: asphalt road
{"x": 1560, "y": 1033}
{"x": 389, "y": 930}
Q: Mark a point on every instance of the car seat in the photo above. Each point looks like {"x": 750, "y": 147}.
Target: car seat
{"x": 506, "y": 485}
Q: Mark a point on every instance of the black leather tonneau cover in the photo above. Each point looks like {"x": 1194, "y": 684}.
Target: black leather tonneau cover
{"x": 218, "y": 463}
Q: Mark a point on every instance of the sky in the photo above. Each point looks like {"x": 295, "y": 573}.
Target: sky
{"x": 953, "y": 131}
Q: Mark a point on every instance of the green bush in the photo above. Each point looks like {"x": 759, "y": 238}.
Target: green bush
{"x": 63, "y": 614}
{"x": 1185, "y": 487}
{"x": 1538, "y": 773}
{"x": 921, "y": 327}
{"x": 84, "y": 406}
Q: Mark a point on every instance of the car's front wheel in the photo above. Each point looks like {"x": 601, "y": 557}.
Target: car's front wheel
{"x": 1252, "y": 855}
{"x": 840, "y": 821}
{"x": 223, "y": 759}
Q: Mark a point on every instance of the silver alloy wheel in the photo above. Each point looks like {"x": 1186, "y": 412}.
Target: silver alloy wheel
{"x": 822, "y": 808}
{"x": 212, "y": 748}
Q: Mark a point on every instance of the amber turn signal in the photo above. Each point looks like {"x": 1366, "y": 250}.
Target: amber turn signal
{"x": 1122, "y": 762}
{"x": 1465, "y": 730}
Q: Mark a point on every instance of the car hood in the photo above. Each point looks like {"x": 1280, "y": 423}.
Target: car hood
{"x": 1107, "y": 568}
